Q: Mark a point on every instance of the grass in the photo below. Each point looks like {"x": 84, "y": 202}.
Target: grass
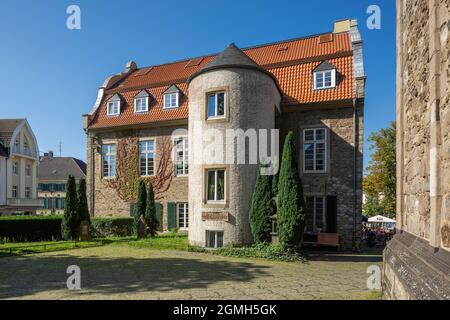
{"x": 18, "y": 248}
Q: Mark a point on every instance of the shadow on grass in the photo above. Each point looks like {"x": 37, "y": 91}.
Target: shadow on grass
{"x": 27, "y": 275}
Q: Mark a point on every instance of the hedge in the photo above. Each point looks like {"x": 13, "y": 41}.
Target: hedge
{"x": 45, "y": 228}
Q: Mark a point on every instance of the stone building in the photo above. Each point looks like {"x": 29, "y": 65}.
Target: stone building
{"x": 144, "y": 123}
{"x": 53, "y": 173}
{"x": 19, "y": 155}
{"x": 417, "y": 260}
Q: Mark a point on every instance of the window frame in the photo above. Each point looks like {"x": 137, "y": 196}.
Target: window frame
{"x": 147, "y": 152}
{"x": 216, "y": 94}
{"x": 136, "y": 103}
{"x": 15, "y": 192}
{"x": 27, "y": 192}
{"x": 185, "y": 150}
{"x": 185, "y": 207}
{"x": 28, "y": 170}
{"x": 109, "y": 155}
{"x": 324, "y": 213}
{"x": 108, "y": 113}
{"x": 216, "y": 233}
{"x": 315, "y": 142}
{"x": 333, "y": 79}
{"x": 215, "y": 201}
{"x": 177, "y": 102}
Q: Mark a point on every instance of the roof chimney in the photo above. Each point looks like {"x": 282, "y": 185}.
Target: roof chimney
{"x": 50, "y": 154}
{"x": 341, "y": 26}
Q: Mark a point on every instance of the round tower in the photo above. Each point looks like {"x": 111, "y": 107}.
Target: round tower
{"x": 230, "y": 99}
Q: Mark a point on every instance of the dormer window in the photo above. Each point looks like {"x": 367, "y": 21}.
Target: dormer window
{"x": 324, "y": 76}
{"x": 113, "y": 106}
{"x": 141, "y": 102}
{"x": 171, "y": 97}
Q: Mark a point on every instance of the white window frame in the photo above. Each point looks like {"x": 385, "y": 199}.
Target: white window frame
{"x": 216, "y": 94}
{"x": 28, "y": 170}
{"x": 316, "y": 214}
{"x": 28, "y": 192}
{"x": 147, "y": 153}
{"x": 14, "y": 192}
{"x": 109, "y": 155}
{"x": 108, "y": 108}
{"x": 315, "y": 142}
{"x": 15, "y": 167}
{"x": 185, "y": 150}
{"x": 215, "y": 185}
{"x": 208, "y": 243}
{"x": 323, "y": 73}
{"x": 185, "y": 207}
{"x": 176, "y": 100}
{"x": 136, "y": 100}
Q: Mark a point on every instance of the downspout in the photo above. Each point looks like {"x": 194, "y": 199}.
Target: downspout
{"x": 355, "y": 171}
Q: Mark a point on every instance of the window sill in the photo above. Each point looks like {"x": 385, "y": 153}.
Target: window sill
{"x": 325, "y": 88}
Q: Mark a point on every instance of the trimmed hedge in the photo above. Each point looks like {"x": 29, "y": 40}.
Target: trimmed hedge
{"x": 46, "y": 228}
{"x": 112, "y": 227}
{"x": 26, "y": 228}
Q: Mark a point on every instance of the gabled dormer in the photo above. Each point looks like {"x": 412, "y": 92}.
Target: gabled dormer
{"x": 113, "y": 105}
{"x": 171, "y": 97}
{"x": 324, "y": 76}
{"x": 141, "y": 101}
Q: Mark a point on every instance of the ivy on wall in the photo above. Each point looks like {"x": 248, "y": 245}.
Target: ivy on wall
{"x": 128, "y": 175}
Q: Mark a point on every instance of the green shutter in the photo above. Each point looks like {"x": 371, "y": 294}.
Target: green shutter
{"x": 171, "y": 215}
{"x": 158, "y": 216}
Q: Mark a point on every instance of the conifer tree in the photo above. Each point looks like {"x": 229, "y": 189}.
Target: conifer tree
{"x": 150, "y": 211}
{"x": 83, "y": 210}
{"x": 71, "y": 221}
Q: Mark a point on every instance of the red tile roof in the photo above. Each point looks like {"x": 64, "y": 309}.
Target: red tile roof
{"x": 291, "y": 61}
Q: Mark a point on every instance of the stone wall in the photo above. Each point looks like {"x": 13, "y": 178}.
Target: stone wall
{"x": 338, "y": 180}
{"x": 106, "y": 201}
{"x": 423, "y": 179}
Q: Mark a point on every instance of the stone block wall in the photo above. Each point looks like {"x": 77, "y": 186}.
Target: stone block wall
{"x": 106, "y": 201}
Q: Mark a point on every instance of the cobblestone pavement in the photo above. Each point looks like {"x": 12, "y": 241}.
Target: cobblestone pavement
{"x": 119, "y": 272}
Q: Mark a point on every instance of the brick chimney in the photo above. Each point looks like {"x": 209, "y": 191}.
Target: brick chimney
{"x": 341, "y": 26}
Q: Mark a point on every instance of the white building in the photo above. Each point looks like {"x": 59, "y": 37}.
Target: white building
{"x": 19, "y": 158}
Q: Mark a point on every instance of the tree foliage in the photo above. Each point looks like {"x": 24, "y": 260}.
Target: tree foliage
{"x": 71, "y": 221}
{"x": 291, "y": 205}
{"x": 83, "y": 210}
{"x": 380, "y": 182}
{"x": 150, "y": 211}
{"x": 141, "y": 200}
{"x": 261, "y": 209}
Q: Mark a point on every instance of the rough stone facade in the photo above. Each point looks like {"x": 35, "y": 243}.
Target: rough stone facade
{"x": 338, "y": 180}
{"x": 417, "y": 260}
{"x": 106, "y": 201}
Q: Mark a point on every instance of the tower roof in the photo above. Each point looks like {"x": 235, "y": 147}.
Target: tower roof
{"x": 232, "y": 57}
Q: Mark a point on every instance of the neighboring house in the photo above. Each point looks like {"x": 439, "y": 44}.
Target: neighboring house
{"x": 313, "y": 86}
{"x": 53, "y": 173}
{"x": 19, "y": 156}
{"x": 417, "y": 259}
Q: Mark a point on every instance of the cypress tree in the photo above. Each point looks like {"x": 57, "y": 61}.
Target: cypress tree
{"x": 291, "y": 204}
{"x": 261, "y": 209}
{"x": 142, "y": 200}
{"x": 71, "y": 221}
{"x": 83, "y": 210}
{"x": 150, "y": 211}
{"x": 275, "y": 179}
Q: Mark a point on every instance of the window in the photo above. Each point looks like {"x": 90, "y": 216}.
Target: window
{"x": 113, "y": 108}
{"x": 28, "y": 169}
{"x": 216, "y": 104}
{"x": 215, "y": 185}
{"x": 27, "y": 192}
{"x": 15, "y": 167}
{"x": 147, "y": 151}
{"x": 181, "y": 156}
{"x": 109, "y": 160}
{"x": 325, "y": 79}
{"x": 315, "y": 214}
{"x": 214, "y": 239}
{"x": 14, "y": 191}
{"x": 26, "y": 148}
{"x": 314, "y": 150}
{"x": 16, "y": 145}
{"x": 183, "y": 216}
{"x": 59, "y": 203}
{"x": 141, "y": 104}
{"x": 170, "y": 100}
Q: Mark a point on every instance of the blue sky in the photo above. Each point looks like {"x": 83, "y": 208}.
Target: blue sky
{"x": 50, "y": 74}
